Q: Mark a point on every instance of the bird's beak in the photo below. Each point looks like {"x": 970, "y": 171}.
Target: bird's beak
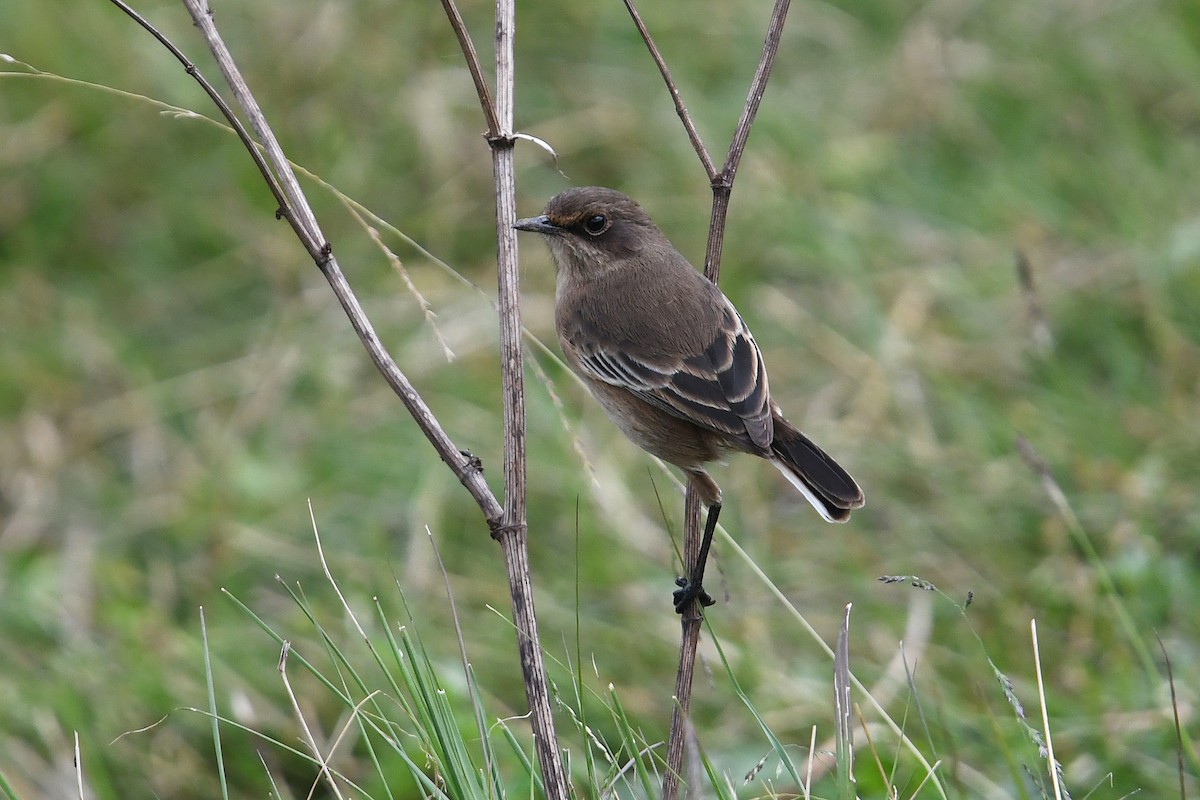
{"x": 540, "y": 224}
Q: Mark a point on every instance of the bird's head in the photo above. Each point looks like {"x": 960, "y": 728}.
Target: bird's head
{"x": 591, "y": 229}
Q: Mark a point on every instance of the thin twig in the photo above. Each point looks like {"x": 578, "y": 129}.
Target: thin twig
{"x": 758, "y": 87}
{"x": 473, "y": 65}
{"x": 680, "y": 108}
{"x": 689, "y": 641}
{"x": 314, "y": 241}
{"x": 227, "y": 112}
{"x": 294, "y": 207}
{"x": 722, "y": 186}
{"x": 513, "y": 532}
{"x": 721, "y": 182}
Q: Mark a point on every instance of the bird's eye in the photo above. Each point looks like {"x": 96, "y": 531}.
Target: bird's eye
{"x": 596, "y": 224}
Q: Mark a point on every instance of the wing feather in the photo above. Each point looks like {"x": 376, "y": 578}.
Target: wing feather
{"x": 722, "y": 388}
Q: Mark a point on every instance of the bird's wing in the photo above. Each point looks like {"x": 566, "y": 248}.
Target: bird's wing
{"x": 721, "y": 386}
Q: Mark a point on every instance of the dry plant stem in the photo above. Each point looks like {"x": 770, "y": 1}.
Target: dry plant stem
{"x": 690, "y": 622}
{"x": 507, "y": 526}
{"x": 295, "y": 208}
{"x": 716, "y": 231}
{"x": 758, "y": 87}
{"x": 303, "y": 216}
{"x": 472, "y": 59}
{"x": 722, "y": 186}
{"x": 680, "y": 108}
{"x": 464, "y": 466}
{"x": 508, "y": 278}
{"x": 239, "y": 129}
{"x": 513, "y": 532}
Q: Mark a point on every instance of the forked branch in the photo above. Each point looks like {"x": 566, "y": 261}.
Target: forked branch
{"x": 294, "y": 207}
{"x": 722, "y": 185}
{"x": 507, "y": 524}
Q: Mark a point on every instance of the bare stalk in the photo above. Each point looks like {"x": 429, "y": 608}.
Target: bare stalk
{"x": 294, "y": 207}
{"x": 513, "y": 532}
{"x": 722, "y": 186}
{"x": 507, "y": 524}
{"x": 689, "y": 640}
{"x": 473, "y": 65}
{"x": 680, "y": 108}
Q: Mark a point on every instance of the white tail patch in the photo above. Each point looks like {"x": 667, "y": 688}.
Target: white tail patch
{"x": 794, "y": 480}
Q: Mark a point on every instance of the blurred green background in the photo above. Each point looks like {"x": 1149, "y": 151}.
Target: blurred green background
{"x": 177, "y": 381}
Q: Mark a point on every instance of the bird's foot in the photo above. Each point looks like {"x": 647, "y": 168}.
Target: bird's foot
{"x": 687, "y": 592}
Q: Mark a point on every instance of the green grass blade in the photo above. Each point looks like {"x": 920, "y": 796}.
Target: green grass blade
{"x": 212, "y": 707}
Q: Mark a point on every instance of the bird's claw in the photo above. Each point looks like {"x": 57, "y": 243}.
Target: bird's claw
{"x": 687, "y": 592}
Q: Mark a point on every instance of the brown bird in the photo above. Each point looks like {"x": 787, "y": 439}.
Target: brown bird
{"x": 669, "y": 358}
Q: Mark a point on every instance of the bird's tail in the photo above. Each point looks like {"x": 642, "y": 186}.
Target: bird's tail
{"x": 822, "y": 481}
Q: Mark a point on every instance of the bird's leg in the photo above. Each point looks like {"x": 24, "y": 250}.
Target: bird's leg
{"x": 691, "y": 587}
